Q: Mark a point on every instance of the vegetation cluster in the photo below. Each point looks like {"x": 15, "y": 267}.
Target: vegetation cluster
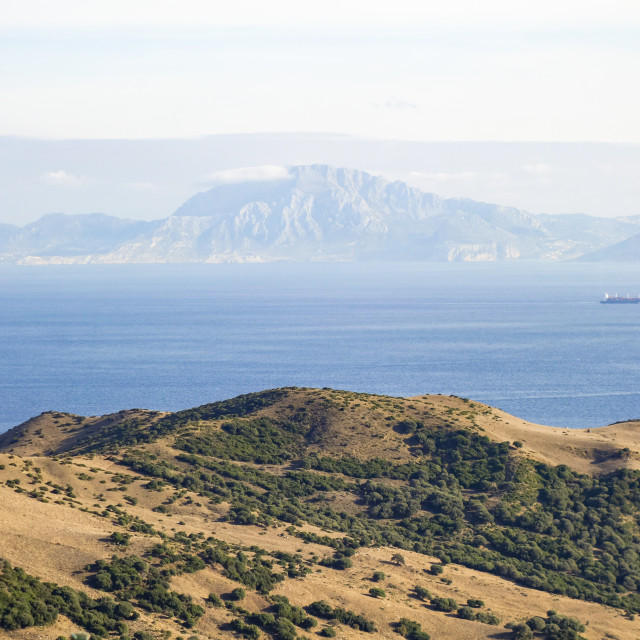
{"x": 25, "y": 601}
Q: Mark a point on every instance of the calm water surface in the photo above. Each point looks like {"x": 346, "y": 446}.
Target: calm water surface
{"x": 531, "y": 338}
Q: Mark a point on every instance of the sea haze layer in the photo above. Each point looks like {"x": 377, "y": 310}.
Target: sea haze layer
{"x": 529, "y": 338}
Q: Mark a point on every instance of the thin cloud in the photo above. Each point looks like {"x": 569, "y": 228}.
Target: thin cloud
{"x": 61, "y": 178}
{"x": 262, "y": 173}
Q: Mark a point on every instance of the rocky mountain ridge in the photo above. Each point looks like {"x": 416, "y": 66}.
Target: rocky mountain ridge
{"x": 315, "y": 213}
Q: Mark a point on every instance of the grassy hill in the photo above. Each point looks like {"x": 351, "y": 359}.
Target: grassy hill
{"x": 311, "y": 512}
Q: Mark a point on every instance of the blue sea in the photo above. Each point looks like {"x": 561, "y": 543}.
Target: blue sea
{"x": 529, "y": 338}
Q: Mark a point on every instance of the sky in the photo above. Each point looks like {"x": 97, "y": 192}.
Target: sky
{"x": 561, "y": 71}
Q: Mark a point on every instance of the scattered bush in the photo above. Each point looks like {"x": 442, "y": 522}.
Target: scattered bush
{"x": 444, "y": 604}
{"x": 237, "y": 594}
{"x": 120, "y": 539}
{"x": 215, "y": 600}
{"x": 324, "y": 610}
{"x": 422, "y": 593}
{"x": 411, "y": 630}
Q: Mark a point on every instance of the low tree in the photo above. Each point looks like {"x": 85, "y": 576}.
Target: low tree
{"x": 237, "y": 594}
{"x": 422, "y": 593}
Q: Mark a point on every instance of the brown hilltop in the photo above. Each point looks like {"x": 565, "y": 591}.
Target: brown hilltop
{"x": 54, "y": 432}
{"x": 362, "y": 424}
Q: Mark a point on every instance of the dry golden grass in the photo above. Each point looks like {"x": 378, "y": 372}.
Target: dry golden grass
{"x": 55, "y": 542}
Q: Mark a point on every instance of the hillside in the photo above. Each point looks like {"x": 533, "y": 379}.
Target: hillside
{"x": 201, "y": 522}
{"x": 626, "y": 251}
{"x": 315, "y": 213}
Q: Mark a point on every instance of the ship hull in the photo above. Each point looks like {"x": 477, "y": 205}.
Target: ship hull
{"x": 620, "y": 301}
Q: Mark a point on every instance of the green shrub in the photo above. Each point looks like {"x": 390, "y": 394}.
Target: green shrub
{"x": 466, "y": 613}
{"x": 120, "y": 539}
{"x": 422, "y": 593}
{"x": 487, "y": 618}
{"x": 536, "y": 623}
{"x": 215, "y": 600}
{"x": 521, "y": 631}
{"x": 237, "y": 594}
{"x": 444, "y": 604}
{"x": 324, "y": 610}
{"x": 411, "y": 630}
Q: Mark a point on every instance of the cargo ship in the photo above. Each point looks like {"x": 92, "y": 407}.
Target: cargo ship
{"x": 619, "y": 299}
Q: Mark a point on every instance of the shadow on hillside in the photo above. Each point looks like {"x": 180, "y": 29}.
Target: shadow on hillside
{"x": 390, "y": 562}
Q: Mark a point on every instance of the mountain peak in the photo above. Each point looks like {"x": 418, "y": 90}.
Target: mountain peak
{"x": 314, "y": 212}
{"x": 294, "y": 183}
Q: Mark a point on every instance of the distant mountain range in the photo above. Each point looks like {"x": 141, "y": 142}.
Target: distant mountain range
{"x": 322, "y": 213}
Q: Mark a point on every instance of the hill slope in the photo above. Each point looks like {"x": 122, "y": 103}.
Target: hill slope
{"x": 626, "y": 251}
{"x": 384, "y": 508}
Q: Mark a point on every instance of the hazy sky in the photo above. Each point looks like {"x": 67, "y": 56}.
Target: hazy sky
{"x": 543, "y": 70}
{"x": 357, "y": 72}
